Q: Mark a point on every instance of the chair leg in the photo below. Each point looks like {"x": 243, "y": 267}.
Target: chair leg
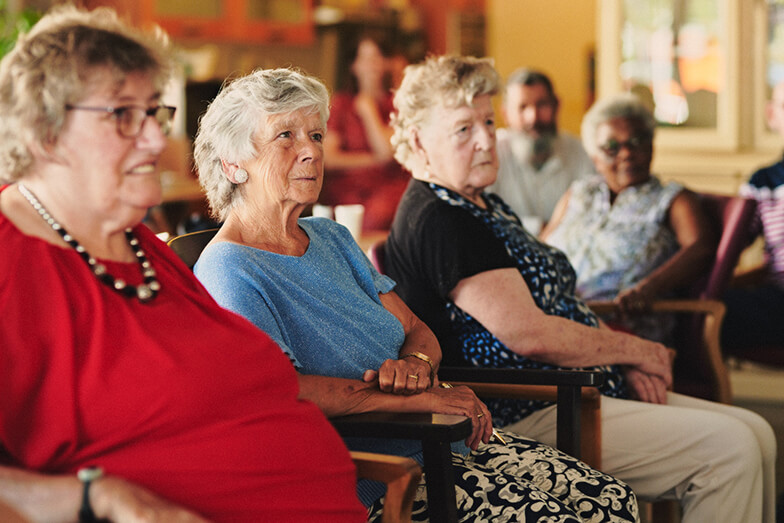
{"x": 591, "y": 420}
{"x": 440, "y": 480}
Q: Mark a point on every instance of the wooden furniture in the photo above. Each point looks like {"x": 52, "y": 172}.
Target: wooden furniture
{"x": 401, "y": 476}
{"x": 189, "y": 246}
{"x": 239, "y": 21}
{"x": 435, "y": 431}
{"x": 575, "y": 392}
{"x": 720, "y": 59}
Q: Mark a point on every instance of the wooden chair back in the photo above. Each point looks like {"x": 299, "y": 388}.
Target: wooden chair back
{"x": 189, "y": 246}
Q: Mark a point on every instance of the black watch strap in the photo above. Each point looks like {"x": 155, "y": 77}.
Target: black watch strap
{"x": 87, "y": 476}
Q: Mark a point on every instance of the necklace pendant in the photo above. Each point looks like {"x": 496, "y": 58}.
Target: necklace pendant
{"x": 144, "y": 293}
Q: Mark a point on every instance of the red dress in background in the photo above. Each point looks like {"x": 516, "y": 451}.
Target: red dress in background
{"x": 177, "y": 395}
{"x": 379, "y": 189}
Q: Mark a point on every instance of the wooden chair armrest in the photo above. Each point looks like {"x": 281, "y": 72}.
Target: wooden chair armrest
{"x": 401, "y": 476}
{"x": 404, "y": 425}
{"x": 581, "y": 378}
{"x": 713, "y": 307}
{"x": 575, "y": 393}
{"x": 590, "y": 433}
{"x": 749, "y": 277}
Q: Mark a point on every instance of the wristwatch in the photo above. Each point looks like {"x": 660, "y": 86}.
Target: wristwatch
{"x": 87, "y": 475}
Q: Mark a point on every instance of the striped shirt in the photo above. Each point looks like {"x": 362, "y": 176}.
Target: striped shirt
{"x": 767, "y": 187}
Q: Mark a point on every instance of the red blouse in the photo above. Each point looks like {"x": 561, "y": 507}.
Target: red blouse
{"x": 177, "y": 395}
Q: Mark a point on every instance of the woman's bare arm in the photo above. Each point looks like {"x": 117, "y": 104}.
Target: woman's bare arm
{"x": 697, "y": 248}
{"x": 396, "y": 375}
{"x": 56, "y": 499}
{"x": 500, "y": 300}
{"x": 377, "y": 133}
{"x": 340, "y": 397}
{"x": 558, "y": 214}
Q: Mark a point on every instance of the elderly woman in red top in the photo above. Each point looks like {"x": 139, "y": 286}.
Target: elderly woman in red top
{"x": 111, "y": 353}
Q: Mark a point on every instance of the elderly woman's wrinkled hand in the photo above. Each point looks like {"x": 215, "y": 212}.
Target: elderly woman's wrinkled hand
{"x": 117, "y": 500}
{"x": 645, "y": 387}
{"x": 635, "y": 299}
{"x": 657, "y": 361}
{"x": 462, "y": 401}
{"x": 407, "y": 376}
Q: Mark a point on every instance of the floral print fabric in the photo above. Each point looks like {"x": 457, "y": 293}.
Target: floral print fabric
{"x": 612, "y": 247}
{"x": 551, "y": 281}
{"x": 528, "y": 481}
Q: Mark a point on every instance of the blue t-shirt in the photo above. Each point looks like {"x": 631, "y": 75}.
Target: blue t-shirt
{"x": 322, "y": 308}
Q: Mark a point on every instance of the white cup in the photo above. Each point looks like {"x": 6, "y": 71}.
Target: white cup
{"x": 350, "y": 216}
{"x": 322, "y": 211}
{"x": 532, "y": 224}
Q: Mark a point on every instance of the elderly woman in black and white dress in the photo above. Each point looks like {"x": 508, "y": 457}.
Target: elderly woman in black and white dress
{"x": 497, "y": 297}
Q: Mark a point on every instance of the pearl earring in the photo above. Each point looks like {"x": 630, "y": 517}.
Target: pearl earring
{"x": 240, "y": 175}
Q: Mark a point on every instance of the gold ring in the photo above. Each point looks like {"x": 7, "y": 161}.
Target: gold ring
{"x": 414, "y": 377}
{"x": 479, "y": 415}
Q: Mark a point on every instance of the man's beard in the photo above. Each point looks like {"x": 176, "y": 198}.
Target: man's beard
{"x": 536, "y": 149}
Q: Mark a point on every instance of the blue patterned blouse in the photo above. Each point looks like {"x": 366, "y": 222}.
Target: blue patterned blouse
{"x": 551, "y": 281}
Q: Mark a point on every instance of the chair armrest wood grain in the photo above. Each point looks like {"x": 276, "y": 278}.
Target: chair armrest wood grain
{"x": 401, "y": 476}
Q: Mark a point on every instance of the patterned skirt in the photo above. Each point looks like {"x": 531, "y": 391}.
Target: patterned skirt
{"x": 528, "y": 481}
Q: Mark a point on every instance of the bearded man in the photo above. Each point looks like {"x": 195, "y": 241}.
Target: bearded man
{"x": 537, "y": 163}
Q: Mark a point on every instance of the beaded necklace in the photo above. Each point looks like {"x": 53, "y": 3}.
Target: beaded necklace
{"x": 144, "y": 292}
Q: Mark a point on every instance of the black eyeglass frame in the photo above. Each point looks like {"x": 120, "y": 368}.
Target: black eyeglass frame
{"x": 613, "y": 147}
{"x": 117, "y": 112}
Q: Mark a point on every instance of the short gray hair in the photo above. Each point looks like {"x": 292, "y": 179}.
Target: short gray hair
{"x": 228, "y": 127}
{"x": 54, "y": 64}
{"x": 623, "y": 105}
{"x": 530, "y": 77}
{"x": 449, "y": 81}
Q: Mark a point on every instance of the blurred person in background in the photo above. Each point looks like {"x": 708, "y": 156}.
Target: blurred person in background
{"x": 537, "y": 161}
{"x": 358, "y": 158}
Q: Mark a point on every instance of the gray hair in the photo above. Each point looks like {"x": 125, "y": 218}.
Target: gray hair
{"x": 450, "y": 81}
{"x": 530, "y": 77}
{"x": 55, "y": 64}
{"x": 623, "y": 105}
{"x": 228, "y": 127}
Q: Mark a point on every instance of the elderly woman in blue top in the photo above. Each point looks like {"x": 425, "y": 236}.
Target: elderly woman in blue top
{"x": 356, "y": 345}
{"x": 496, "y": 297}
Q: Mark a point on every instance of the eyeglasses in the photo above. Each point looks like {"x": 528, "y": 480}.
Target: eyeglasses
{"x": 130, "y": 118}
{"x": 633, "y": 144}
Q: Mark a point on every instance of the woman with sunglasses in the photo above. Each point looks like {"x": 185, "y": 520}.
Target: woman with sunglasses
{"x": 630, "y": 238}
{"x": 112, "y": 357}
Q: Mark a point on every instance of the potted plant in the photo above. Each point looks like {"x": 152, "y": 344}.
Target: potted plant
{"x": 13, "y": 22}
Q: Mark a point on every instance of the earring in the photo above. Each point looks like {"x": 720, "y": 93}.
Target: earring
{"x": 240, "y": 175}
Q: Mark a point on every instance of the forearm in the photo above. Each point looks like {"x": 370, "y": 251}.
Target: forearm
{"x": 378, "y": 135}
{"x": 340, "y": 396}
{"x": 566, "y": 343}
{"x": 681, "y": 269}
{"x": 422, "y": 340}
{"x": 39, "y": 497}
